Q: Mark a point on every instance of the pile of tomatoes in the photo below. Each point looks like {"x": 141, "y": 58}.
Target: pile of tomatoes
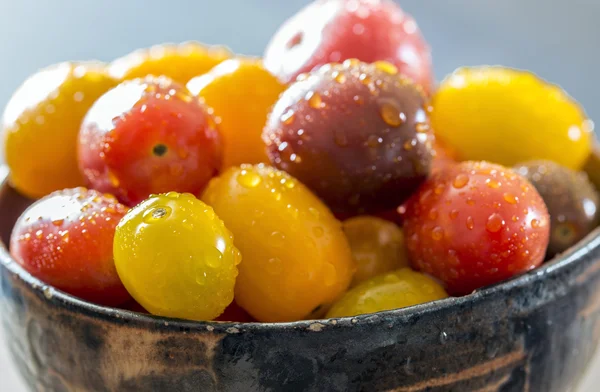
{"x": 331, "y": 178}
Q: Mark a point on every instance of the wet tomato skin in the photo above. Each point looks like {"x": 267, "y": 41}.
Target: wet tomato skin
{"x": 149, "y": 136}
{"x": 66, "y": 240}
{"x": 387, "y": 291}
{"x": 377, "y": 246}
{"x": 475, "y": 224}
{"x": 508, "y": 116}
{"x": 571, "y": 198}
{"x": 179, "y": 62}
{"x": 337, "y": 30}
{"x": 356, "y": 134}
{"x": 241, "y": 93}
{"x": 176, "y": 257}
{"x": 296, "y": 257}
{"x": 41, "y": 123}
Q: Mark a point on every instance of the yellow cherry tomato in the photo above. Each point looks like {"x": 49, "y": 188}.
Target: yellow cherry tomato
{"x": 41, "y": 123}
{"x": 389, "y": 291}
{"x": 377, "y": 246}
{"x": 296, "y": 257}
{"x": 241, "y": 93}
{"x": 508, "y": 116}
{"x": 179, "y": 62}
{"x": 176, "y": 257}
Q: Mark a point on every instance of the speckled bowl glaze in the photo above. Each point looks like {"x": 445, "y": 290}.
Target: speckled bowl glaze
{"x": 533, "y": 333}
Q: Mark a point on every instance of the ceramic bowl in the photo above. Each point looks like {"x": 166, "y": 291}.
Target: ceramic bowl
{"x": 534, "y": 333}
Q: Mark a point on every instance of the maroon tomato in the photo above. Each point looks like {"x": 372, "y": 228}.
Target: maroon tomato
{"x": 475, "y": 224}
{"x": 149, "y": 136}
{"x": 356, "y": 134}
{"x": 332, "y": 31}
{"x": 66, "y": 240}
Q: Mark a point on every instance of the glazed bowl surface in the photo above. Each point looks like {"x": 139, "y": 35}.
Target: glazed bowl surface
{"x": 534, "y": 333}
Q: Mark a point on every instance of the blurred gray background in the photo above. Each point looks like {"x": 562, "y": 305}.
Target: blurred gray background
{"x": 558, "y": 39}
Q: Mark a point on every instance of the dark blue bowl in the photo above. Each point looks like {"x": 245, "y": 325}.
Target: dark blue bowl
{"x": 533, "y": 333}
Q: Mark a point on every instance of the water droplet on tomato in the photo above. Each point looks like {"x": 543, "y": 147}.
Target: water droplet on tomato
{"x": 155, "y": 214}
{"x": 391, "y": 114}
{"x": 437, "y": 233}
{"x": 248, "y": 178}
{"x": 494, "y": 223}
{"x": 470, "y": 223}
{"x": 288, "y": 117}
{"x": 314, "y": 100}
{"x": 460, "y": 181}
{"x": 510, "y": 198}
{"x": 318, "y": 231}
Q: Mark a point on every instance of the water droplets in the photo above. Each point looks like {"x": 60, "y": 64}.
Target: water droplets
{"x": 374, "y": 141}
{"x": 314, "y": 100}
{"x": 510, "y": 198}
{"x": 460, "y": 181}
{"x": 391, "y": 114}
{"x": 274, "y": 266}
{"x": 277, "y": 239}
{"x": 288, "y": 117}
{"x": 470, "y": 223}
{"x": 437, "y": 233}
{"x": 156, "y": 214}
{"x": 318, "y": 231}
{"x": 453, "y": 214}
{"x": 493, "y": 183}
{"x": 248, "y": 178}
{"x": 213, "y": 257}
{"x": 494, "y": 223}
{"x": 58, "y": 222}
{"x": 339, "y": 77}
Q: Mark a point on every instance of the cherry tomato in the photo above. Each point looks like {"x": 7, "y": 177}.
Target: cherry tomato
{"x": 337, "y": 30}
{"x": 41, "y": 123}
{"x": 66, "y": 240}
{"x": 508, "y": 116}
{"x": 241, "y": 93}
{"x": 377, "y": 246}
{"x": 572, "y": 201}
{"x": 392, "y": 290}
{"x": 149, "y": 136}
{"x": 176, "y": 257}
{"x": 296, "y": 257}
{"x": 179, "y": 62}
{"x": 475, "y": 224}
{"x": 356, "y": 134}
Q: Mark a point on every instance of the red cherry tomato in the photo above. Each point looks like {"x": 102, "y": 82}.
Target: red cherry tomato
{"x": 66, "y": 240}
{"x": 474, "y": 224}
{"x": 149, "y": 136}
{"x": 336, "y": 30}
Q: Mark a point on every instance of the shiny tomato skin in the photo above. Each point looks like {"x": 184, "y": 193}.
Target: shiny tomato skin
{"x": 474, "y": 224}
{"x": 331, "y": 31}
{"x": 149, "y": 136}
{"x": 66, "y": 240}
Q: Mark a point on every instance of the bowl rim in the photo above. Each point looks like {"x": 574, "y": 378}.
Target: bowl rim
{"x": 62, "y": 299}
